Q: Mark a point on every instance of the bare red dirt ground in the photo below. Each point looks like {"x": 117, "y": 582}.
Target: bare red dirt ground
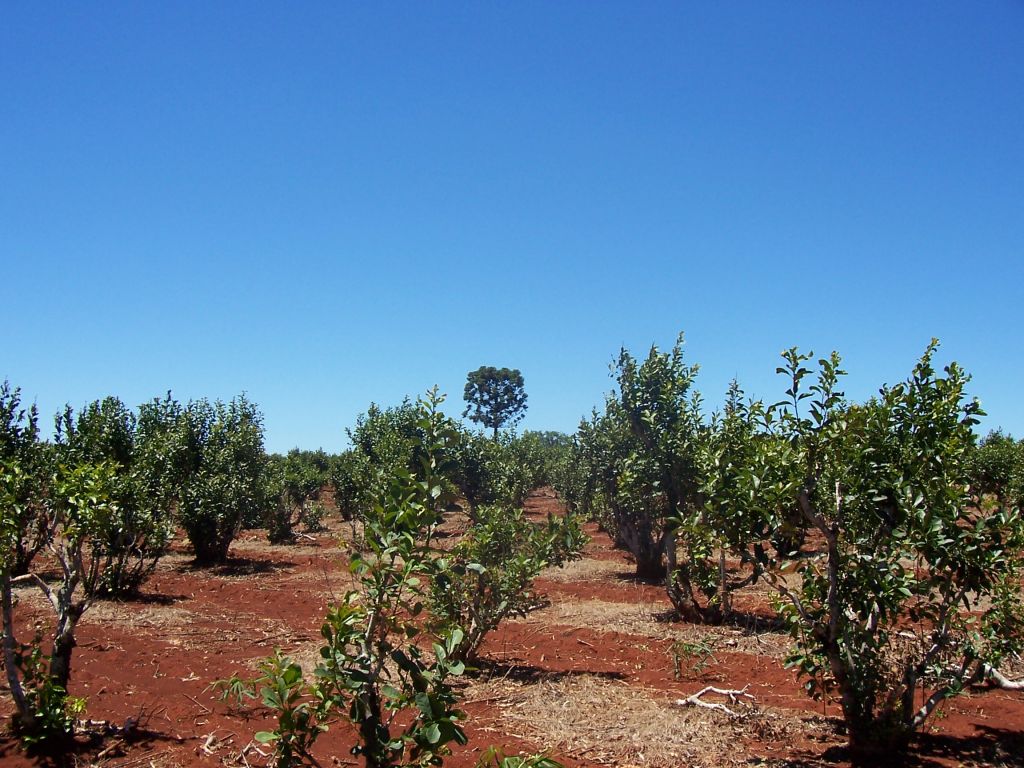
{"x": 594, "y": 676}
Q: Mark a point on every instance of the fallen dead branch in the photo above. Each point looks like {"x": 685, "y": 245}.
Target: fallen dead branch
{"x": 735, "y": 697}
{"x": 213, "y": 742}
{"x": 997, "y": 679}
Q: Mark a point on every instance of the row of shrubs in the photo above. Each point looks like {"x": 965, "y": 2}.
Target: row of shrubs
{"x": 891, "y": 539}
{"x": 102, "y": 500}
{"x": 202, "y": 466}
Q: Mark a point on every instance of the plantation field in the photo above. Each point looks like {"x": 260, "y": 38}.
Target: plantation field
{"x": 594, "y": 675}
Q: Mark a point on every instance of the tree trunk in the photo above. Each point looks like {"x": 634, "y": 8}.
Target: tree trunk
{"x": 874, "y": 742}
{"x": 60, "y": 659}
{"x": 650, "y": 568}
{"x": 636, "y": 532}
{"x": 686, "y": 603}
{"x": 212, "y": 550}
{"x": 681, "y": 593}
{"x": 68, "y": 614}
{"x": 724, "y": 595}
{"x": 372, "y": 733}
{"x": 22, "y": 716}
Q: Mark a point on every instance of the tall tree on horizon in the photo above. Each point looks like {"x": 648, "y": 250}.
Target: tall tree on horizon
{"x": 495, "y": 397}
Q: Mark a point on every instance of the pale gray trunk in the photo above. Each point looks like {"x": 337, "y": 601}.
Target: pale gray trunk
{"x": 22, "y": 714}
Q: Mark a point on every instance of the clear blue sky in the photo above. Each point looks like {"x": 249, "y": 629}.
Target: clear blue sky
{"x": 328, "y": 204}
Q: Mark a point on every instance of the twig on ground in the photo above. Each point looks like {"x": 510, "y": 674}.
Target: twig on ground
{"x": 251, "y": 746}
{"x": 213, "y": 743}
{"x": 735, "y": 697}
{"x": 206, "y": 709}
{"x": 208, "y": 744}
{"x": 107, "y": 750}
{"x": 997, "y": 679}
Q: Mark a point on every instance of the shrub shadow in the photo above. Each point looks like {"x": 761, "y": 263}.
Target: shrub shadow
{"x": 144, "y": 598}
{"x": 990, "y": 746}
{"x": 487, "y": 669}
{"x": 237, "y": 566}
{"x": 89, "y": 748}
{"x": 750, "y": 622}
{"x": 632, "y": 578}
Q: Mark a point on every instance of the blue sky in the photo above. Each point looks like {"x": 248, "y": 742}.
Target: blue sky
{"x": 328, "y": 204}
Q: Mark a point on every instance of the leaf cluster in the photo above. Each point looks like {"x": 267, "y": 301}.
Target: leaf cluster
{"x": 488, "y": 576}
{"x": 79, "y": 507}
{"x": 221, "y": 472}
{"x": 996, "y": 469}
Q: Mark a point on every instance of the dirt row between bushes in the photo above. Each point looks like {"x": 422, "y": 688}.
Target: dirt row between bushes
{"x": 594, "y": 677}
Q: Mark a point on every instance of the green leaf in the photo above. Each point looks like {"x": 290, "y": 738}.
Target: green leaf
{"x": 424, "y": 705}
{"x": 432, "y": 733}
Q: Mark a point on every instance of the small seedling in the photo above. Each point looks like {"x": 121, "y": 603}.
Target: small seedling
{"x": 698, "y": 654}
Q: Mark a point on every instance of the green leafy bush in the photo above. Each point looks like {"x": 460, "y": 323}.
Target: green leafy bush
{"x": 223, "y": 480}
{"x": 166, "y": 454}
{"x": 996, "y": 468}
{"x": 391, "y": 439}
{"x": 501, "y": 470}
{"x": 489, "y": 574}
{"x": 587, "y": 479}
{"x": 730, "y": 521}
{"x": 312, "y": 517}
{"x": 295, "y": 481}
{"x": 518, "y": 469}
{"x": 54, "y": 713}
{"x": 643, "y": 457}
{"x": 475, "y": 467}
{"x": 385, "y": 441}
{"x": 494, "y": 757}
{"x": 549, "y": 454}
{"x": 916, "y": 594}
{"x": 78, "y": 502}
{"x": 29, "y": 463}
{"x": 136, "y": 537}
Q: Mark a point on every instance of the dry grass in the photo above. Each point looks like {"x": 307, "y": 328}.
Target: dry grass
{"x": 136, "y": 616}
{"x": 196, "y": 629}
{"x": 611, "y": 723}
{"x": 647, "y": 620}
{"x": 262, "y": 547}
{"x": 306, "y": 655}
{"x": 585, "y": 570}
{"x": 145, "y": 759}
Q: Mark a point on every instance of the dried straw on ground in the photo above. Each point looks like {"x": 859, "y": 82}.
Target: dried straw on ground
{"x": 609, "y": 722}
